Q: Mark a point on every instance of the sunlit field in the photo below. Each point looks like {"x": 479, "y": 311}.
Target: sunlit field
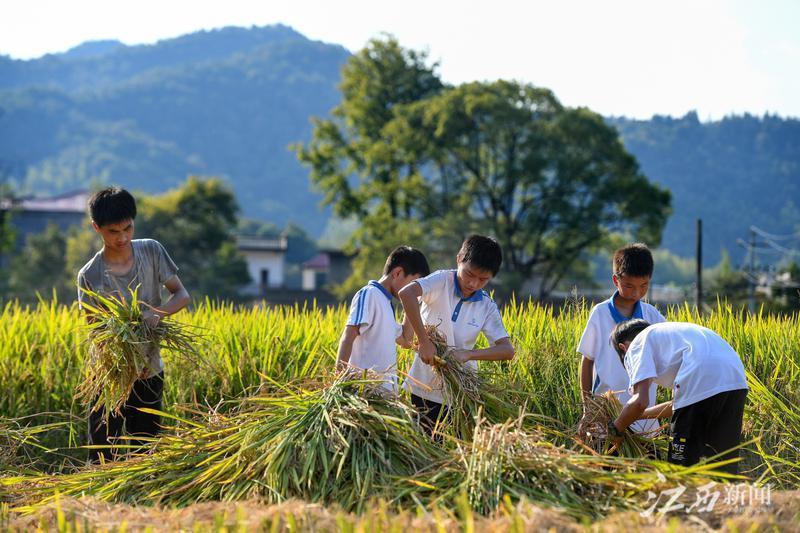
{"x": 263, "y": 418}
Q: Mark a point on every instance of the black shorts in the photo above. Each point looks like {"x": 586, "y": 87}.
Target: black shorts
{"x": 707, "y": 428}
{"x": 146, "y": 393}
{"x": 429, "y": 413}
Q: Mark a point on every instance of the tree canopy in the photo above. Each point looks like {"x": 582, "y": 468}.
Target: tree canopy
{"x": 196, "y": 223}
{"x": 415, "y": 160}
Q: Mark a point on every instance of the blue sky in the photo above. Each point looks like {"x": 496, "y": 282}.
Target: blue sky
{"x": 633, "y": 58}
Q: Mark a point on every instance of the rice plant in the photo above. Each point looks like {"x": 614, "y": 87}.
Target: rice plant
{"x": 508, "y": 462}
{"x": 121, "y": 347}
{"x": 593, "y": 428}
{"x": 343, "y": 443}
{"x": 43, "y": 349}
{"x": 467, "y": 394}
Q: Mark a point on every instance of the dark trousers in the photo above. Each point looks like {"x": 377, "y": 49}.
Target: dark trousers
{"x": 429, "y": 413}
{"x": 707, "y": 428}
{"x": 146, "y": 393}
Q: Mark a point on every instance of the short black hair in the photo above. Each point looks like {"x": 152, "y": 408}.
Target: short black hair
{"x": 112, "y": 205}
{"x": 411, "y": 260}
{"x": 633, "y": 260}
{"x": 482, "y": 252}
{"x": 627, "y": 331}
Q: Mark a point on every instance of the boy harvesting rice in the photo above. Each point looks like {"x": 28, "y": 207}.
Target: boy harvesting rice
{"x": 708, "y": 385}
{"x": 368, "y": 339}
{"x": 601, "y": 370}
{"x": 454, "y": 301}
{"x": 122, "y": 266}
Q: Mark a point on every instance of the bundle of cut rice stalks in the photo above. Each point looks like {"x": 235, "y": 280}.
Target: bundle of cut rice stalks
{"x": 345, "y": 443}
{"x": 467, "y": 393}
{"x": 593, "y": 429}
{"x": 16, "y": 440}
{"x": 121, "y": 344}
{"x": 508, "y": 461}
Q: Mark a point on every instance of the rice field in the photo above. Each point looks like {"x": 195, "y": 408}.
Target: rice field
{"x": 264, "y": 369}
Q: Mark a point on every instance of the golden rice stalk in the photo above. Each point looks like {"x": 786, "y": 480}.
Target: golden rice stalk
{"x": 466, "y": 393}
{"x": 121, "y": 345}
{"x": 593, "y": 428}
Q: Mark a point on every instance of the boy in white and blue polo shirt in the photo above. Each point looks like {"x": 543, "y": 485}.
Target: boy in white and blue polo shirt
{"x": 368, "y": 339}
{"x": 708, "y": 383}
{"x": 454, "y": 301}
{"x": 601, "y": 369}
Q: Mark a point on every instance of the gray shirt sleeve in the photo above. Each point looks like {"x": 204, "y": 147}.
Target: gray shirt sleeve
{"x": 165, "y": 266}
{"x": 81, "y": 283}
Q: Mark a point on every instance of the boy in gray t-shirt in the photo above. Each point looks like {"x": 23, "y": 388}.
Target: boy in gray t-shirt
{"x": 122, "y": 265}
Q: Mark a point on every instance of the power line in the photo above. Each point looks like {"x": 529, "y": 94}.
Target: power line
{"x": 772, "y": 236}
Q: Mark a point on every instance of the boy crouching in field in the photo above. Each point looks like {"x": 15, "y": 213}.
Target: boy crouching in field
{"x": 601, "y": 369}
{"x": 454, "y": 301}
{"x": 368, "y": 340}
{"x": 708, "y": 383}
{"x": 123, "y": 264}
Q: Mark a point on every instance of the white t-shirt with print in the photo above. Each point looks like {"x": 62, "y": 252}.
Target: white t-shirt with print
{"x": 374, "y": 348}
{"x": 692, "y": 360}
{"x": 461, "y": 320}
{"x": 609, "y": 374}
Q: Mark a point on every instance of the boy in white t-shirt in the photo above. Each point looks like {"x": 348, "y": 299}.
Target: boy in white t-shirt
{"x": 708, "y": 382}
{"x": 601, "y": 369}
{"x": 455, "y": 302}
{"x": 368, "y": 339}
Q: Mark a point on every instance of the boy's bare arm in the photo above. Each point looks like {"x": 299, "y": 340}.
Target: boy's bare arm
{"x": 406, "y": 338}
{"x": 346, "y": 346}
{"x": 502, "y": 350}
{"x": 662, "y": 410}
{"x": 178, "y": 299}
{"x": 587, "y": 373}
{"x": 409, "y": 298}
{"x": 636, "y": 406}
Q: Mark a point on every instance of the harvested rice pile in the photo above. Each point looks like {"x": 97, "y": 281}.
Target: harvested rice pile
{"x": 508, "y": 461}
{"x": 343, "y": 443}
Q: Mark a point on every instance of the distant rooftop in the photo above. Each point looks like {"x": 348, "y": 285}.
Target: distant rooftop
{"x": 71, "y": 202}
{"x": 320, "y": 261}
{"x": 259, "y": 244}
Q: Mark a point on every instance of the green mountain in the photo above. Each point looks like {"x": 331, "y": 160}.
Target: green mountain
{"x": 226, "y": 103}
{"x": 229, "y": 103}
{"x": 732, "y": 173}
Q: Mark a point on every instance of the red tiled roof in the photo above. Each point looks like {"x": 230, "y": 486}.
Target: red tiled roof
{"x": 319, "y": 261}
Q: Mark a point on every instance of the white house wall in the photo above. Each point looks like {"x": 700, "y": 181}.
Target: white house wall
{"x": 272, "y": 261}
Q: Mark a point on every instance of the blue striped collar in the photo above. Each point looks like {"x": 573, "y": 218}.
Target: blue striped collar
{"x": 619, "y": 317}
{"x": 477, "y": 296}
{"x": 382, "y": 289}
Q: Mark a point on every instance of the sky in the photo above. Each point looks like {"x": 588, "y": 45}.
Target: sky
{"x": 631, "y": 58}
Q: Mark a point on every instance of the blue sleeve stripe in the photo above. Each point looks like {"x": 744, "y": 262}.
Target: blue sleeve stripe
{"x": 355, "y": 309}
{"x": 360, "y": 306}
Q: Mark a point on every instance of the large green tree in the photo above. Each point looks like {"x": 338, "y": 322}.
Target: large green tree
{"x": 414, "y": 160}
{"x": 195, "y": 222}
{"x": 548, "y": 181}
{"x": 354, "y": 162}
{"x": 41, "y": 267}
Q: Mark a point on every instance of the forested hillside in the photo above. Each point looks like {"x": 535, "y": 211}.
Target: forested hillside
{"x": 229, "y": 103}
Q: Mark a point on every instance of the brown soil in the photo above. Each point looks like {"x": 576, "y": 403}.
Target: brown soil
{"x": 86, "y": 513}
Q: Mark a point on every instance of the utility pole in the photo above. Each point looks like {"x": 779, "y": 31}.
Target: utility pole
{"x": 698, "y": 296}
{"x": 751, "y": 297}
